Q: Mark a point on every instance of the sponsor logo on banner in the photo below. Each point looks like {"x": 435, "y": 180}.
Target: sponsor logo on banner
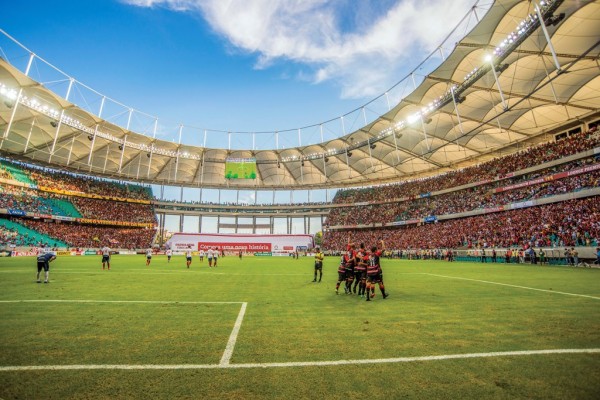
{"x": 23, "y": 253}
{"x": 13, "y": 211}
{"x": 262, "y": 254}
{"x": 288, "y": 247}
{"x": 247, "y": 247}
{"x": 431, "y": 218}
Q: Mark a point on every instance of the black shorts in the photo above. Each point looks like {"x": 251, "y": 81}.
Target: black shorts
{"x": 360, "y": 275}
{"x": 105, "y": 259}
{"x": 43, "y": 265}
{"x": 189, "y": 258}
{"x": 318, "y": 265}
{"x": 374, "y": 278}
{"x": 341, "y": 276}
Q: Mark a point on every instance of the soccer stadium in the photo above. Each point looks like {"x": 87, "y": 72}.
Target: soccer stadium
{"x": 472, "y": 185}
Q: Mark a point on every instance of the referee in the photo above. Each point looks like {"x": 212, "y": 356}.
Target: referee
{"x": 318, "y": 264}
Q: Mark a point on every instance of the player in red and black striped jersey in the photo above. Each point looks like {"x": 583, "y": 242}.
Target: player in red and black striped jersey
{"x": 341, "y": 273}
{"x": 360, "y": 270}
{"x": 350, "y": 263}
{"x": 374, "y": 272}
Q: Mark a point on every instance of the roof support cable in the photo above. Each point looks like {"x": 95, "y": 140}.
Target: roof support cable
{"x": 59, "y": 124}
{"x": 543, "y": 26}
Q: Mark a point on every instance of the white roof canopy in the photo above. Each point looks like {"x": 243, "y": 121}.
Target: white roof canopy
{"x": 446, "y": 123}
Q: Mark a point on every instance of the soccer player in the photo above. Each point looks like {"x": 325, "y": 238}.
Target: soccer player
{"x": 318, "y": 264}
{"x": 360, "y": 270}
{"x": 201, "y": 254}
{"x": 350, "y": 263}
{"x": 43, "y": 262}
{"x": 105, "y": 257}
{"x": 374, "y": 272}
{"x": 215, "y": 257}
{"x": 169, "y": 254}
{"x": 148, "y": 256}
{"x": 188, "y": 257}
{"x": 341, "y": 273}
{"x": 209, "y": 255}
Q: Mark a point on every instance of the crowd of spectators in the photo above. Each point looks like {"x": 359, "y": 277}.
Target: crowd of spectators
{"x": 569, "y": 223}
{"x": 4, "y": 173}
{"x": 498, "y": 167}
{"x": 114, "y": 210}
{"x": 474, "y": 198}
{"x": 81, "y": 235}
{"x": 19, "y": 198}
{"x": 84, "y": 184}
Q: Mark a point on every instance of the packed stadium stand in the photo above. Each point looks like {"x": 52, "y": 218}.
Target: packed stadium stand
{"x": 47, "y": 207}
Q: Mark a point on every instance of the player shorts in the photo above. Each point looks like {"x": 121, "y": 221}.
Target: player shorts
{"x": 318, "y": 265}
{"x": 43, "y": 265}
{"x": 105, "y": 258}
{"x": 341, "y": 276}
{"x": 360, "y": 275}
{"x": 374, "y": 278}
{"x": 149, "y": 257}
{"x": 189, "y": 258}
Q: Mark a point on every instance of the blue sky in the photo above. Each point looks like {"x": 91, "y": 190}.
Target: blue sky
{"x": 260, "y": 65}
{"x": 239, "y": 65}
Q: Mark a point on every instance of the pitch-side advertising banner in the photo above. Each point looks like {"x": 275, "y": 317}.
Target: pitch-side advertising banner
{"x": 236, "y": 242}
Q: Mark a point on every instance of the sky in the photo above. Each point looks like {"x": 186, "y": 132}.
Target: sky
{"x": 237, "y": 65}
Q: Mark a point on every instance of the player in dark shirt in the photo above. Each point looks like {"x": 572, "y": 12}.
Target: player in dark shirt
{"x": 374, "y": 272}
{"x": 360, "y": 270}
{"x": 43, "y": 262}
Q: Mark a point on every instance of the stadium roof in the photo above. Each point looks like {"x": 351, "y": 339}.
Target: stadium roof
{"x": 459, "y": 115}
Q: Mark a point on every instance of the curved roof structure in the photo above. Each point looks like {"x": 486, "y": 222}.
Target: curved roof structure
{"x": 502, "y": 88}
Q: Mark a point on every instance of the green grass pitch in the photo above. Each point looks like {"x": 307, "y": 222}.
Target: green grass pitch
{"x": 259, "y": 328}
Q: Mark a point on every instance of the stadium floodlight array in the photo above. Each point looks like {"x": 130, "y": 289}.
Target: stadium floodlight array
{"x": 524, "y": 29}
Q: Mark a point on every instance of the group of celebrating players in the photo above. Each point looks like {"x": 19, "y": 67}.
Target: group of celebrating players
{"x": 358, "y": 268}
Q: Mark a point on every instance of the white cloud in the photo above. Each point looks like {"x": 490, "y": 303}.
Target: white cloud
{"x": 363, "y": 59}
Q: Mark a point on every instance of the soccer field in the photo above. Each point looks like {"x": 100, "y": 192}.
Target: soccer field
{"x": 260, "y": 328}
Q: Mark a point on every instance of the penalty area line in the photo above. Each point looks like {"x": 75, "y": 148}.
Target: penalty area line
{"x": 122, "y": 301}
{"x": 226, "y": 358}
{"x": 298, "y": 364}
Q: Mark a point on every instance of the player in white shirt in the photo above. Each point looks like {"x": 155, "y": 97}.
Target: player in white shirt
{"x": 188, "y": 257}
{"x": 148, "y": 256}
{"x": 169, "y": 253}
{"x": 105, "y": 257}
{"x": 209, "y": 255}
{"x": 215, "y": 256}
{"x": 201, "y": 253}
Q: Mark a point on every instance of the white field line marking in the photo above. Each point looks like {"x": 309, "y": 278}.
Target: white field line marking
{"x": 515, "y": 286}
{"x": 122, "y": 301}
{"x": 233, "y": 337}
{"x": 298, "y": 364}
